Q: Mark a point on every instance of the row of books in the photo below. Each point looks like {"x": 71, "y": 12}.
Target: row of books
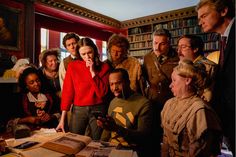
{"x": 143, "y": 37}
{"x": 144, "y": 44}
{"x": 138, "y": 30}
{"x": 175, "y": 24}
{"x": 139, "y": 52}
{"x": 182, "y": 23}
{"x": 205, "y": 37}
{"x": 188, "y": 30}
{"x": 210, "y": 46}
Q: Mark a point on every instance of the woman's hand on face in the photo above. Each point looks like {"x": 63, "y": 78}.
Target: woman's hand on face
{"x": 90, "y": 65}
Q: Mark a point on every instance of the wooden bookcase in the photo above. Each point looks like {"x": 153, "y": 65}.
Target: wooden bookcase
{"x": 178, "y": 22}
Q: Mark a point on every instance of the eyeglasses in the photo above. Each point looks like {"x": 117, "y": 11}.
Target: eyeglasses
{"x": 182, "y": 47}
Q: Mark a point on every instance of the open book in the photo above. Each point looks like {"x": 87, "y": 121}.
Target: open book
{"x": 78, "y": 145}
{"x": 69, "y": 143}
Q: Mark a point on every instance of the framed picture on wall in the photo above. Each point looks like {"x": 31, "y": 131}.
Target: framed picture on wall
{"x": 9, "y": 28}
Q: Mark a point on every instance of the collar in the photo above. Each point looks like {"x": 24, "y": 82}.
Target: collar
{"x": 198, "y": 58}
{"x": 227, "y": 30}
{"x": 186, "y": 97}
{"x": 73, "y": 57}
{"x": 40, "y": 97}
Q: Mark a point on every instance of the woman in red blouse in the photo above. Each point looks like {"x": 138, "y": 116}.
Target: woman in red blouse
{"x": 85, "y": 86}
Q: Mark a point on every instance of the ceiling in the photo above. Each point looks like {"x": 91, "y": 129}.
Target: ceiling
{"x": 129, "y": 9}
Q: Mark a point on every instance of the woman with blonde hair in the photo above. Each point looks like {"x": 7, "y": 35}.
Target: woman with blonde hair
{"x": 191, "y": 128}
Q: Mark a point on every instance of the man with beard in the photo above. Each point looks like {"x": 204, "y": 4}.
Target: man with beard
{"x": 118, "y": 48}
{"x": 130, "y": 117}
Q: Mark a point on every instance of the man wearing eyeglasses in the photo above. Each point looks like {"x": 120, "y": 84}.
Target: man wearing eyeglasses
{"x": 158, "y": 66}
{"x": 190, "y": 47}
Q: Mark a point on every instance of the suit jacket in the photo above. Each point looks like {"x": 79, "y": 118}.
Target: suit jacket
{"x": 224, "y": 97}
{"x": 158, "y": 75}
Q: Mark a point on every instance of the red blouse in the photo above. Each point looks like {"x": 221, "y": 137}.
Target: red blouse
{"x": 80, "y": 89}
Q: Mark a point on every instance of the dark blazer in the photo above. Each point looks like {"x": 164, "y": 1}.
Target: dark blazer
{"x": 224, "y": 96}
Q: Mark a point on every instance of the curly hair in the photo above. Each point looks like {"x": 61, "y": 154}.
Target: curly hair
{"x": 197, "y": 72}
{"x": 21, "y": 81}
{"x": 70, "y": 35}
{"x": 119, "y": 41}
{"x": 54, "y": 51}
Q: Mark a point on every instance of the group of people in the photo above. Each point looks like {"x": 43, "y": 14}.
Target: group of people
{"x": 178, "y": 103}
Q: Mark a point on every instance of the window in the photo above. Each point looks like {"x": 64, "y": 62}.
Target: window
{"x": 45, "y": 44}
{"x": 44, "y": 39}
{"x": 104, "y": 50}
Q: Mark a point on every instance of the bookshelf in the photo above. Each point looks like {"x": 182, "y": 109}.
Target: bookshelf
{"x": 178, "y": 22}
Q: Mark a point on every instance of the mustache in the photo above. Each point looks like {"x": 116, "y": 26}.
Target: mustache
{"x": 180, "y": 54}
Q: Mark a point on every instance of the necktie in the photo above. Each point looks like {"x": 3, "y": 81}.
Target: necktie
{"x": 159, "y": 59}
{"x": 222, "y": 48}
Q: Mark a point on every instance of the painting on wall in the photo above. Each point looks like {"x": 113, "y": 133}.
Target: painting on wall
{"x": 9, "y": 28}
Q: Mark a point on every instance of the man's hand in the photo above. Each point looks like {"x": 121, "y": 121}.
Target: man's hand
{"x": 107, "y": 123}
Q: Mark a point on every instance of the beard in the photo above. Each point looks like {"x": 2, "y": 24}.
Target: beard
{"x": 118, "y": 61}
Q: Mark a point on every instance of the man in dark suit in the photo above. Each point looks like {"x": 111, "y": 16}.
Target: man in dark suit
{"x": 219, "y": 16}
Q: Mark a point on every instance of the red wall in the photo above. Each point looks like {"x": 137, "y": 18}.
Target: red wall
{"x": 60, "y": 25}
{"x": 99, "y": 46}
{"x": 53, "y": 19}
{"x": 54, "y": 39}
